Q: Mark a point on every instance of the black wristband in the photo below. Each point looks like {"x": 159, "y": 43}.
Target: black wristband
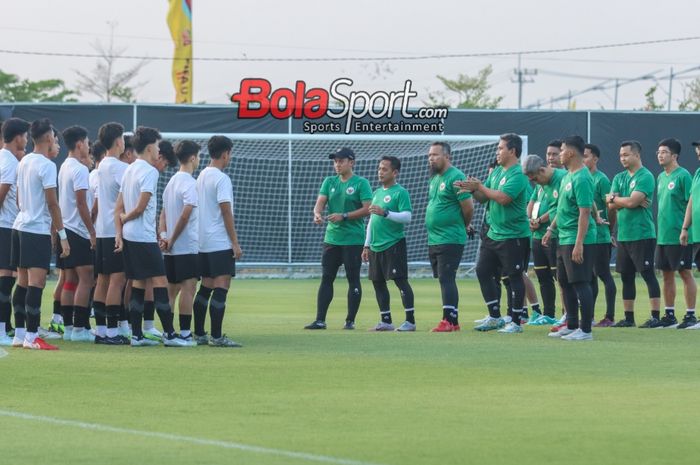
{"x": 345, "y": 216}
{"x": 386, "y": 213}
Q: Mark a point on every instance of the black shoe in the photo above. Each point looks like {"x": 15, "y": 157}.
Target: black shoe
{"x": 116, "y": 341}
{"x": 318, "y": 324}
{"x": 100, "y": 339}
{"x": 651, "y": 323}
{"x": 624, "y": 324}
{"x": 688, "y": 320}
{"x": 349, "y": 325}
{"x": 668, "y": 321}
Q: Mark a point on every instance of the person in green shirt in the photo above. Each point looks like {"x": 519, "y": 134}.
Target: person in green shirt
{"x": 385, "y": 245}
{"x": 348, "y": 198}
{"x": 541, "y": 209}
{"x": 691, "y": 222}
{"x": 447, "y": 217}
{"x": 507, "y": 242}
{"x": 603, "y": 244}
{"x": 629, "y": 205}
{"x": 576, "y": 233}
{"x": 673, "y": 191}
{"x": 552, "y": 154}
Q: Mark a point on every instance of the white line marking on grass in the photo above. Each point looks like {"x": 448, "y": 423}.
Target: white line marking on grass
{"x": 179, "y": 438}
{"x": 3, "y": 352}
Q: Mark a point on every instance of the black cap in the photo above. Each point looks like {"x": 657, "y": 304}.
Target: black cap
{"x": 343, "y": 153}
{"x": 696, "y": 143}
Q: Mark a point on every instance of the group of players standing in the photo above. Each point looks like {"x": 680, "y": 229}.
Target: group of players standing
{"x": 571, "y": 220}
{"x": 104, "y": 226}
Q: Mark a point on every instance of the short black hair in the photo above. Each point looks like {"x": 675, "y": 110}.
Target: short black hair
{"x": 575, "y": 142}
{"x": 39, "y": 128}
{"x": 166, "y": 150}
{"x": 143, "y": 137}
{"x": 73, "y": 135}
{"x": 633, "y": 144}
{"x": 513, "y": 141}
{"x": 108, "y": 133}
{"x": 673, "y": 145}
{"x": 98, "y": 151}
{"x": 554, "y": 143}
{"x": 595, "y": 150}
{"x": 127, "y": 143}
{"x": 14, "y": 127}
{"x": 393, "y": 161}
{"x": 446, "y": 149}
{"x": 218, "y": 145}
{"x": 185, "y": 149}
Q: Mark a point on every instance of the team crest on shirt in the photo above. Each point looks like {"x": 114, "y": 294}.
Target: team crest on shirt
{"x": 442, "y": 186}
{"x": 387, "y": 198}
{"x": 671, "y": 185}
{"x": 555, "y": 194}
{"x": 633, "y": 183}
{"x": 503, "y": 181}
{"x": 350, "y": 190}
{"x": 332, "y": 189}
{"x": 567, "y": 187}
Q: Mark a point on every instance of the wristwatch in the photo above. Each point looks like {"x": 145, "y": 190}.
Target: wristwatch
{"x": 345, "y": 216}
{"x": 386, "y": 213}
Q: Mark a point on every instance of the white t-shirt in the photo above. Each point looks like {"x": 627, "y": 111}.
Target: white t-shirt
{"x": 139, "y": 177}
{"x": 92, "y": 189}
{"x": 109, "y": 180}
{"x": 72, "y": 177}
{"x": 213, "y": 188}
{"x": 35, "y": 174}
{"x": 8, "y": 175}
{"x": 180, "y": 191}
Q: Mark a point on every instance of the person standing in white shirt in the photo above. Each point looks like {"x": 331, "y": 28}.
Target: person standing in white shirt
{"x": 218, "y": 243}
{"x": 179, "y": 234}
{"x": 39, "y": 214}
{"x": 14, "y": 135}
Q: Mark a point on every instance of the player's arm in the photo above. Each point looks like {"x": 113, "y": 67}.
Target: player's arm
{"x": 84, "y": 212}
{"x": 360, "y": 212}
{"x": 368, "y": 240}
{"x": 144, "y": 197}
{"x": 321, "y": 202}
{"x": 497, "y": 196}
{"x": 93, "y": 213}
{"x": 4, "y": 189}
{"x": 583, "y": 222}
{"x": 180, "y": 225}
{"x": 687, "y": 221}
{"x": 633, "y": 201}
{"x": 467, "y": 207}
{"x": 56, "y": 220}
{"x": 230, "y": 225}
{"x": 547, "y": 235}
{"x": 118, "y": 212}
{"x": 530, "y": 206}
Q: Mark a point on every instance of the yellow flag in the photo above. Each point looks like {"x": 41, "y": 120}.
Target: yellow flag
{"x": 180, "y": 23}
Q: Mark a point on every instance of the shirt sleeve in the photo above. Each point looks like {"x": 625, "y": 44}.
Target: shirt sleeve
{"x": 615, "y": 187}
{"x": 365, "y": 191}
{"x": 189, "y": 196}
{"x": 325, "y": 187}
{"x": 149, "y": 183}
{"x": 118, "y": 173}
{"x": 514, "y": 185}
{"x": 224, "y": 190}
{"x": 405, "y": 202}
{"x": 81, "y": 179}
{"x": 687, "y": 182}
{"x": 646, "y": 186}
{"x": 8, "y": 174}
{"x": 583, "y": 188}
{"x": 48, "y": 175}
{"x": 464, "y": 195}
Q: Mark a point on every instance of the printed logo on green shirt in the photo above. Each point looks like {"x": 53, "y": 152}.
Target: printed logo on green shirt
{"x": 555, "y": 194}
{"x": 567, "y": 187}
{"x": 442, "y": 186}
{"x": 387, "y": 199}
{"x": 633, "y": 183}
{"x": 503, "y": 181}
{"x": 671, "y": 185}
{"x": 350, "y": 190}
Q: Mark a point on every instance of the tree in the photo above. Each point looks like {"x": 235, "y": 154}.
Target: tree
{"x": 691, "y": 96}
{"x": 472, "y": 92}
{"x": 650, "y": 96}
{"x": 15, "y": 89}
{"x": 105, "y": 82}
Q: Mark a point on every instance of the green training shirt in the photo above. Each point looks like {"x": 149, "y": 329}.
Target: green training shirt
{"x": 601, "y": 188}
{"x": 673, "y": 192}
{"x": 694, "y": 231}
{"x": 345, "y": 197}
{"x": 576, "y": 192}
{"x": 443, "y": 215}
{"x": 384, "y": 232}
{"x": 508, "y": 221}
{"x": 635, "y": 224}
{"x": 548, "y": 198}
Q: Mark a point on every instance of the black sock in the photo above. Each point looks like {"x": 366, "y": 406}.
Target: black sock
{"x": 670, "y": 311}
{"x": 57, "y": 307}
{"x": 185, "y": 322}
{"x": 6, "y": 283}
{"x": 136, "y": 310}
{"x": 162, "y": 305}
{"x": 536, "y": 308}
{"x": 123, "y": 312}
{"x": 18, "y": 305}
{"x": 452, "y": 315}
{"x": 410, "y": 316}
{"x": 149, "y": 310}
{"x": 67, "y": 313}
{"x": 629, "y": 316}
{"x": 100, "y": 313}
{"x": 217, "y": 308}
{"x": 386, "y": 316}
{"x": 33, "y": 307}
{"x": 199, "y": 308}
{"x": 517, "y": 314}
{"x": 494, "y": 309}
{"x": 82, "y": 316}
{"x": 656, "y": 314}
{"x": 112, "y": 312}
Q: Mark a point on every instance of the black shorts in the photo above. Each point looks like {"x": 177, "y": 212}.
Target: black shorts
{"x": 142, "y": 260}
{"x": 219, "y": 263}
{"x": 350, "y": 256}
{"x": 80, "y": 252}
{"x": 445, "y": 259}
{"x": 511, "y": 255}
{"x": 179, "y": 268}
{"x": 601, "y": 258}
{"x": 106, "y": 260}
{"x": 6, "y": 249}
{"x": 389, "y": 264}
{"x": 673, "y": 257}
{"x": 570, "y": 272}
{"x": 696, "y": 255}
{"x": 544, "y": 257}
{"x": 30, "y": 250}
{"x": 635, "y": 256}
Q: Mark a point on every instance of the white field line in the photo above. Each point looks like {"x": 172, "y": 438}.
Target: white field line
{"x": 179, "y": 438}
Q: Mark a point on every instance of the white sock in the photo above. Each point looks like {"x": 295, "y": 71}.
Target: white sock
{"x": 185, "y": 332}
{"x": 20, "y": 333}
{"x": 29, "y": 337}
{"x": 3, "y": 329}
{"x": 124, "y": 325}
{"x": 112, "y": 332}
{"x": 57, "y": 319}
{"x": 147, "y": 324}
{"x": 101, "y": 331}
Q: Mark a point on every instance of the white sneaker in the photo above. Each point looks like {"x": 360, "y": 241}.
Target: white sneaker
{"x": 153, "y": 332}
{"x": 143, "y": 342}
{"x": 482, "y": 320}
{"x": 17, "y": 341}
{"x": 67, "y": 333}
{"x": 406, "y": 326}
{"x": 511, "y": 328}
{"x": 82, "y": 335}
{"x": 381, "y": 326}
{"x": 562, "y": 332}
{"x": 562, "y": 319}
{"x": 175, "y": 341}
{"x": 695, "y": 326}
{"x": 578, "y": 335}
{"x": 46, "y": 334}
{"x": 5, "y": 340}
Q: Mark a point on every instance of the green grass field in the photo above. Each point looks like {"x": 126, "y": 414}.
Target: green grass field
{"x": 341, "y": 397}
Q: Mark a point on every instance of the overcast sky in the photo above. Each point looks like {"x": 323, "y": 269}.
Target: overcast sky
{"x": 371, "y": 28}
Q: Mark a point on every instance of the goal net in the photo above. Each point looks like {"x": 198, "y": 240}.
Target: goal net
{"x": 276, "y": 179}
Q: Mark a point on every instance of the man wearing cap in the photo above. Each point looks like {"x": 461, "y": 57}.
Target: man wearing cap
{"x": 348, "y": 198}
{"x": 690, "y": 231}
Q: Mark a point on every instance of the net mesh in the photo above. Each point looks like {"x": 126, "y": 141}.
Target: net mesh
{"x": 276, "y": 183}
